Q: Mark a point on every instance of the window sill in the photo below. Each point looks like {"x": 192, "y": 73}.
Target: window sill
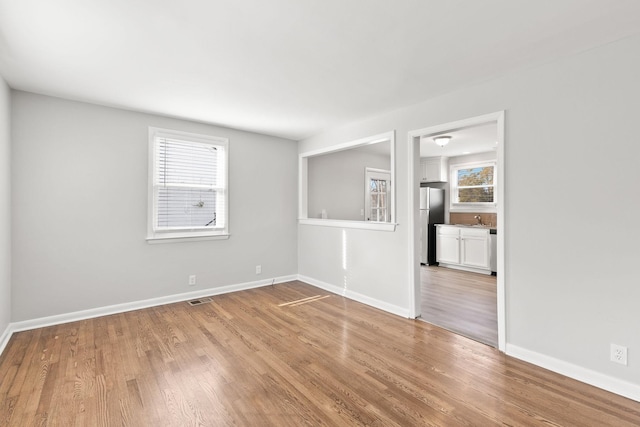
{"x": 361, "y": 225}
{"x": 181, "y": 239}
{"x": 473, "y": 208}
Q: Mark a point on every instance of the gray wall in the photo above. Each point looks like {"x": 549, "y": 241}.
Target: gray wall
{"x": 336, "y": 182}
{"x": 571, "y": 182}
{"x": 5, "y": 206}
{"x": 80, "y": 210}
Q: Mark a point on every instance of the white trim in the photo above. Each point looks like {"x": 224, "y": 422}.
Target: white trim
{"x": 154, "y": 235}
{"x": 368, "y": 140}
{"x": 486, "y": 272}
{"x": 372, "y": 302}
{"x": 375, "y": 173}
{"x": 303, "y": 186}
{"x": 596, "y": 379}
{"x": 588, "y": 376}
{"x": 303, "y": 176}
{"x": 383, "y": 171}
{"x": 501, "y": 291}
{"x": 178, "y": 239}
{"x": 340, "y": 223}
{"x": 457, "y": 125}
{"x": 489, "y": 207}
{"x": 5, "y": 337}
{"x": 137, "y": 305}
{"x": 59, "y": 319}
{"x": 414, "y": 260}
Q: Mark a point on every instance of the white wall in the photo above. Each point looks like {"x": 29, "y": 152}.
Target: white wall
{"x": 80, "y": 210}
{"x": 5, "y": 208}
{"x": 336, "y": 182}
{"x": 572, "y": 229}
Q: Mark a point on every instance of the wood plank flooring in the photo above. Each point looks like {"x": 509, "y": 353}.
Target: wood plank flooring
{"x": 281, "y": 356}
{"x": 461, "y": 302}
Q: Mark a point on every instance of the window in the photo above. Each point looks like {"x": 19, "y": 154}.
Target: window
{"x": 378, "y": 186}
{"x": 473, "y": 186}
{"x": 187, "y": 185}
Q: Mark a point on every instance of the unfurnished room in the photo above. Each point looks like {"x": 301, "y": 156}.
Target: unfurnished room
{"x": 321, "y": 213}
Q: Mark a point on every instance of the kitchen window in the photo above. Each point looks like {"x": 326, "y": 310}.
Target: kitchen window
{"x": 473, "y": 186}
{"x": 188, "y": 195}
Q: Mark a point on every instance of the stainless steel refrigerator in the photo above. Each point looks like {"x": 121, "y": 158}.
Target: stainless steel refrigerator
{"x": 431, "y": 213}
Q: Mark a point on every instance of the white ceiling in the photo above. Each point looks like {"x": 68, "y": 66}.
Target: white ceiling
{"x": 477, "y": 139}
{"x": 289, "y": 68}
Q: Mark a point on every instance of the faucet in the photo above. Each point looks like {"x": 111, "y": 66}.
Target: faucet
{"x": 479, "y": 218}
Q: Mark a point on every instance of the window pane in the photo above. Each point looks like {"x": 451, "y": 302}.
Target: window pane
{"x": 187, "y": 185}
{"x": 475, "y": 176}
{"x": 475, "y": 195}
{"x": 378, "y": 214}
{"x": 186, "y": 207}
{"x": 186, "y": 163}
{"x": 377, "y": 197}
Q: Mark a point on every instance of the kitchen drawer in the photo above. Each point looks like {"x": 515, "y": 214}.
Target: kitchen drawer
{"x": 474, "y": 232}
{"x": 452, "y": 231}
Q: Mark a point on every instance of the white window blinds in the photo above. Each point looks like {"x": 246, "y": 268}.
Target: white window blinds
{"x": 189, "y": 188}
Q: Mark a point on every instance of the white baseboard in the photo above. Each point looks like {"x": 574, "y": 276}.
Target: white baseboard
{"x": 4, "y": 338}
{"x": 384, "y": 306}
{"x": 596, "y": 379}
{"x": 136, "y": 305}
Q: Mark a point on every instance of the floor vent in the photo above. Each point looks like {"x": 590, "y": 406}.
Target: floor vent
{"x": 199, "y": 301}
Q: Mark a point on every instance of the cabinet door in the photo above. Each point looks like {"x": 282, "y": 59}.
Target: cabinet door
{"x": 448, "y": 247}
{"x": 433, "y": 169}
{"x": 475, "y": 251}
{"x": 423, "y": 170}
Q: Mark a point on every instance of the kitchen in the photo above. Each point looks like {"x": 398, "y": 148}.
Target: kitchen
{"x": 458, "y": 231}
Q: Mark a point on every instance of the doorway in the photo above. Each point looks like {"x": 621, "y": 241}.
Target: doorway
{"x": 460, "y": 301}
{"x": 457, "y": 280}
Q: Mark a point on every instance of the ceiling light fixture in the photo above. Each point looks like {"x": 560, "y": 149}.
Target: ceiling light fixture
{"x": 442, "y": 140}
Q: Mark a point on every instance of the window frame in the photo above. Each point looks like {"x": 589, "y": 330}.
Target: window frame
{"x": 455, "y": 205}
{"x": 378, "y": 174}
{"x": 303, "y": 218}
{"x": 159, "y": 235}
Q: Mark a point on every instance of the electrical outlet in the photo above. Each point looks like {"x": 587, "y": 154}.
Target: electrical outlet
{"x": 258, "y": 269}
{"x": 192, "y": 280}
{"x": 619, "y": 354}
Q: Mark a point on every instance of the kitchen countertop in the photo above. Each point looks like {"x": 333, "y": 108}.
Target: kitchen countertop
{"x": 492, "y": 229}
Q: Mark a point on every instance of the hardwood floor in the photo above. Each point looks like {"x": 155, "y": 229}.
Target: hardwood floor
{"x": 278, "y": 356}
{"x": 461, "y": 302}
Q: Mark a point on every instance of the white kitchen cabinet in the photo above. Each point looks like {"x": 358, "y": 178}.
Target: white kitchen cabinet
{"x": 434, "y": 169}
{"x": 448, "y": 245}
{"x": 464, "y": 248}
{"x": 475, "y": 248}
{"x": 423, "y": 169}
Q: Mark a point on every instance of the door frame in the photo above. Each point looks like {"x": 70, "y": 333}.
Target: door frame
{"x": 414, "y": 215}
